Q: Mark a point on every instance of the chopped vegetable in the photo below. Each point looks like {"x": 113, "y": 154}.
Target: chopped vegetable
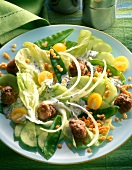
{"x": 51, "y": 141}
{"x": 55, "y": 38}
{"x": 59, "y": 47}
{"x": 44, "y": 75}
{"x": 9, "y": 80}
{"x": 121, "y": 63}
{"x": 113, "y": 70}
{"x": 18, "y": 115}
{"x": 58, "y": 65}
{"x": 94, "y": 101}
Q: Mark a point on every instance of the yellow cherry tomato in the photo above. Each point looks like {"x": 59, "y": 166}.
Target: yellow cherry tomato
{"x": 94, "y": 101}
{"x": 17, "y": 114}
{"x": 44, "y": 75}
{"x": 59, "y": 47}
{"x": 121, "y": 63}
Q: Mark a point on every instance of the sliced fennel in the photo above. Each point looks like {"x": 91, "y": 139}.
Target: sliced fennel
{"x": 85, "y": 87}
{"x": 79, "y": 73}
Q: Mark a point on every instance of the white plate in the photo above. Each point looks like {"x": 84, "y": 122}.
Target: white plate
{"x": 122, "y": 129}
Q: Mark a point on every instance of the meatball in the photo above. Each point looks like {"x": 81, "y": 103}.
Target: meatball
{"x": 124, "y": 103}
{"x": 73, "y": 69}
{"x": 8, "y": 95}
{"x": 45, "y": 111}
{"x": 11, "y": 67}
{"x": 78, "y": 128}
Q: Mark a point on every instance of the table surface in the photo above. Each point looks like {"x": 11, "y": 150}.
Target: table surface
{"x": 121, "y": 158}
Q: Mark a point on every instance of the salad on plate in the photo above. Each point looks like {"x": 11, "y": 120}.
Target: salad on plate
{"x": 56, "y": 89}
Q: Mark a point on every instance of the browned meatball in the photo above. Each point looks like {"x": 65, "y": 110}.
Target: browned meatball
{"x": 78, "y": 128}
{"x": 8, "y": 95}
{"x": 124, "y": 103}
{"x": 11, "y": 67}
{"x": 73, "y": 68}
{"x": 45, "y": 111}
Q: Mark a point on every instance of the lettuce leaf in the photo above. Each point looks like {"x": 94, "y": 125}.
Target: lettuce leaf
{"x": 82, "y": 43}
{"x": 28, "y": 92}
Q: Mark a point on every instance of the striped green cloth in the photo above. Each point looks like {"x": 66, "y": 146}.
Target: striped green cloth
{"x": 15, "y": 20}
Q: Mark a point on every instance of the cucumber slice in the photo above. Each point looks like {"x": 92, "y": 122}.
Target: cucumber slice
{"x": 102, "y": 47}
{"x": 93, "y": 41}
{"x": 28, "y": 134}
{"x": 100, "y": 88}
{"x": 113, "y": 93}
{"x": 41, "y": 140}
{"x": 57, "y": 90}
{"x": 108, "y": 57}
{"x": 18, "y": 129}
{"x": 38, "y": 130}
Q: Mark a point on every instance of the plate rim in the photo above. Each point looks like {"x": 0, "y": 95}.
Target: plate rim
{"x": 63, "y": 25}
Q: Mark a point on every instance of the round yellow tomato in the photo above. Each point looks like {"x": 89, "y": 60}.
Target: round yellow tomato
{"x": 17, "y": 114}
{"x": 59, "y": 47}
{"x": 44, "y": 75}
{"x": 94, "y": 101}
{"x": 121, "y": 63}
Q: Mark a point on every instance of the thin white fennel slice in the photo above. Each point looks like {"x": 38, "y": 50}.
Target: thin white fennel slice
{"x": 62, "y": 111}
{"x": 35, "y": 120}
{"x": 97, "y": 82}
{"x": 85, "y": 87}
{"x": 78, "y": 70}
{"x": 96, "y": 136}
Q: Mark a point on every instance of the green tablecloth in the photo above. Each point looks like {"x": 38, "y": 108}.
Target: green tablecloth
{"x": 120, "y": 159}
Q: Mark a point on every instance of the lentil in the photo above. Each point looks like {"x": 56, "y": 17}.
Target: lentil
{"x": 129, "y": 78}
{"x": 109, "y": 138}
{"x": 89, "y": 150}
{"x": 13, "y": 50}
{"x": 70, "y": 145}
{"x": 57, "y": 126}
{"x": 45, "y": 44}
{"x": 6, "y": 56}
{"x": 59, "y": 146}
{"x": 27, "y": 61}
{"x": 102, "y": 138}
{"x": 3, "y": 65}
{"x": 116, "y": 119}
{"x": 121, "y": 119}
{"x": 14, "y": 45}
{"x": 125, "y": 116}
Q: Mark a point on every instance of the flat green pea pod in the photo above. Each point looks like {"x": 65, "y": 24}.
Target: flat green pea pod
{"x": 112, "y": 69}
{"x": 51, "y": 141}
{"x": 108, "y": 112}
{"x": 9, "y": 80}
{"x": 53, "y": 39}
{"x": 58, "y": 66}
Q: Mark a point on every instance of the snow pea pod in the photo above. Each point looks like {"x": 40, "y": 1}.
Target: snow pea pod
{"x": 53, "y": 39}
{"x": 9, "y": 80}
{"x": 113, "y": 70}
{"x": 51, "y": 141}
{"x": 58, "y": 64}
{"x": 108, "y": 112}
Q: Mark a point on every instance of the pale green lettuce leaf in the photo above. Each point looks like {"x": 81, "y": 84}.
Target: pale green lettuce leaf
{"x": 28, "y": 92}
{"x": 38, "y": 55}
{"x": 82, "y": 44}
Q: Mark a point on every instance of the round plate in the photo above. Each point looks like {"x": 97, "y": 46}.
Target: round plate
{"x": 65, "y": 155}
